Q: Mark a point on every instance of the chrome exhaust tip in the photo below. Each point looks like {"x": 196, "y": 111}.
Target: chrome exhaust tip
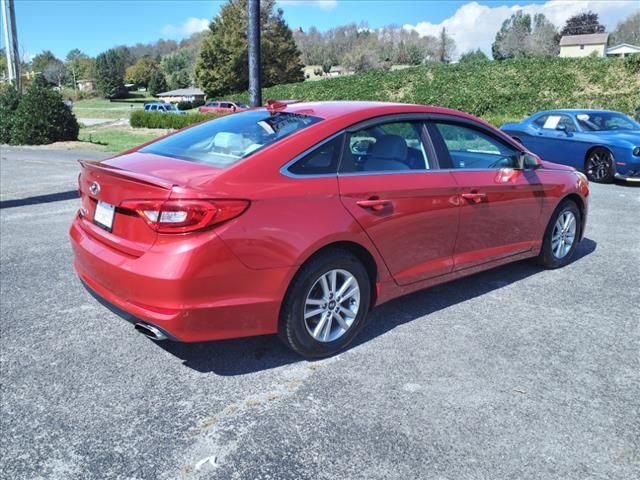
{"x": 150, "y": 331}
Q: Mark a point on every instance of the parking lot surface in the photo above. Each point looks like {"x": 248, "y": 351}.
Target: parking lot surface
{"x": 513, "y": 373}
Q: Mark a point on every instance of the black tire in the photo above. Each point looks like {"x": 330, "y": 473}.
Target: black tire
{"x": 599, "y": 165}
{"x": 293, "y": 329}
{"x": 547, "y": 258}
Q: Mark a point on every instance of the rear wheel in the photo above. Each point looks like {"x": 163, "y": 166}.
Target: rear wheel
{"x": 326, "y": 304}
{"x": 561, "y": 236}
{"x": 598, "y": 165}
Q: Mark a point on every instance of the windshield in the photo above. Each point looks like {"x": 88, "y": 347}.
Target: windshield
{"x": 226, "y": 140}
{"x": 169, "y": 106}
{"x": 601, "y": 121}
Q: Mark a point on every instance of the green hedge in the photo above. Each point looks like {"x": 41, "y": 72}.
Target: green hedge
{"x": 142, "y": 119}
{"x": 499, "y": 90}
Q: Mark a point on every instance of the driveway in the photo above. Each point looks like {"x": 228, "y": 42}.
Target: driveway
{"x": 513, "y": 373}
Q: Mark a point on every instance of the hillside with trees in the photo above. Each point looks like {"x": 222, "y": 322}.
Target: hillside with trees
{"x": 497, "y": 91}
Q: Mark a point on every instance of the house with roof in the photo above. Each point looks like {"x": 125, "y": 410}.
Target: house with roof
{"x": 584, "y": 45}
{"x": 623, "y": 50}
{"x": 182, "y": 95}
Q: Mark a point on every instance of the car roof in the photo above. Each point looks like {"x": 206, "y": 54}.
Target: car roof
{"x": 337, "y": 109}
{"x": 574, "y": 111}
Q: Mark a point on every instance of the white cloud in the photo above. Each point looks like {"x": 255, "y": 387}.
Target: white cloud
{"x": 190, "y": 26}
{"x": 474, "y": 25}
{"x": 323, "y": 4}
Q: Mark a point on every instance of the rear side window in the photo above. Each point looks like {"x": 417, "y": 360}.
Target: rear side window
{"x": 470, "y": 148}
{"x": 388, "y": 147}
{"x": 227, "y": 140}
{"x": 551, "y": 122}
{"x": 322, "y": 160}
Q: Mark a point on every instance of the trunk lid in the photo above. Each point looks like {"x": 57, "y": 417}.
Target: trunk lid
{"x": 134, "y": 176}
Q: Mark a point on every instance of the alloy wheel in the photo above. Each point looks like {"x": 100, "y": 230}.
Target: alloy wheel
{"x": 564, "y": 234}
{"x": 599, "y": 165}
{"x": 332, "y": 305}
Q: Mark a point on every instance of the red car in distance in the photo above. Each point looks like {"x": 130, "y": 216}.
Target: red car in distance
{"x": 297, "y": 219}
{"x": 222, "y": 107}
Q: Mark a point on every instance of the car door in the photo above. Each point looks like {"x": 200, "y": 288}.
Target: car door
{"x": 389, "y": 181}
{"x": 553, "y": 138}
{"x": 501, "y": 206}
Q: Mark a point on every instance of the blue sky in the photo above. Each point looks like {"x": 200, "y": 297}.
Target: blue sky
{"x": 96, "y": 25}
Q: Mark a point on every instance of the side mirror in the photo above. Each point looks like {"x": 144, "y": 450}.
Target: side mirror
{"x": 524, "y": 161}
{"x": 563, "y": 128}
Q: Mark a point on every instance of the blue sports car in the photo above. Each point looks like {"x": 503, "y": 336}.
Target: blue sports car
{"x": 603, "y": 144}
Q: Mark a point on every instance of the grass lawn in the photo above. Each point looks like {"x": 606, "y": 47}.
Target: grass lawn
{"x": 103, "y": 108}
{"x": 117, "y": 139}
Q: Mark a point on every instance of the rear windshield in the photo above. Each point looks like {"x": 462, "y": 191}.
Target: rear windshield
{"x": 225, "y": 141}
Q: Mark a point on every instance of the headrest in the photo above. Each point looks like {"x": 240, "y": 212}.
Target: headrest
{"x": 391, "y": 147}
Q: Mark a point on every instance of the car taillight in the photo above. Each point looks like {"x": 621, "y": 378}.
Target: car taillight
{"x": 181, "y": 216}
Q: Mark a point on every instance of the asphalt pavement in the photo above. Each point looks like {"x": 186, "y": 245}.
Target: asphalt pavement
{"x": 515, "y": 373}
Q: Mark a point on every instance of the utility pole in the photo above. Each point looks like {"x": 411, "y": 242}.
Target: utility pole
{"x": 11, "y": 42}
{"x": 253, "y": 37}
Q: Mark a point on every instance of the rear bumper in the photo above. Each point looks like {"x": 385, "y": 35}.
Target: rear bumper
{"x": 192, "y": 290}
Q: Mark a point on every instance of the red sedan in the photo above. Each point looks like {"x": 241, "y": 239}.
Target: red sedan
{"x": 222, "y": 107}
{"x": 297, "y": 219}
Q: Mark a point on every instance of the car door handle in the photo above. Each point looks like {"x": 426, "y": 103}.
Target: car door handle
{"x": 375, "y": 204}
{"x": 474, "y": 197}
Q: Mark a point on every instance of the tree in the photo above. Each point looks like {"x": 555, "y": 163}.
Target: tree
{"x": 280, "y": 56}
{"x": 178, "y": 67}
{"x": 110, "y": 69}
{"x": 627, "y": 31}
{"x": 42, "y": 117}
{"x": 544, "y": 40}
{"x": 140, "y": 74}
{"x": 41, "y": 60}
{"x": 582, "y": 24}
{"x": 360, "y": 60}
{"x": 512, "y": 38}
{"x": 473, "y": 56}
{"x": 55, "y": 72}
{"x": 80, "y": 66}
{"x": 445, "y": 47}
{"x": 157, "y": 83}
{"x": 222, "y": 66}
{"x": 519, "y": 37}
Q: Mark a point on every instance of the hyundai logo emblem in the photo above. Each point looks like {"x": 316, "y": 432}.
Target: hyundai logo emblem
{"x": 94, "y": 188}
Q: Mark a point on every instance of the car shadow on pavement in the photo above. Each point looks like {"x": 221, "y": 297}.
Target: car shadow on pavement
{"x": 249, "y": 355}
{"x": 51, "y": 197}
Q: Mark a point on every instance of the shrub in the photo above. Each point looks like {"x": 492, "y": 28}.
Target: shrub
{"x": 9, "y": 101}
{"x": 188, "y": 105}
{"x": 142, "y": 119}
{"x": 42, "y": 117}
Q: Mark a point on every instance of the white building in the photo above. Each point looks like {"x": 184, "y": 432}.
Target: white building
{"x": 584, "y": 45}
{"x": 623, "y": 50}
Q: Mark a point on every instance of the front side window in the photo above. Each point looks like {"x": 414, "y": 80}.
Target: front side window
{"x": 470, "y": 148}
{"x": 322, "y": 160}
{"x": 602, "y": 121}
{"x": 395, "y": 146}
{"x": 227, "y": 140}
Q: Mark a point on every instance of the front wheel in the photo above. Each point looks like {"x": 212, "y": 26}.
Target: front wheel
{"x": 326, "y": 304}
{"x": 561, "y": 236}
{"x": 598, "y": 166}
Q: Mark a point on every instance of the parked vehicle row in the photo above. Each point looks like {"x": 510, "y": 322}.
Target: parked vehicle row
{"x": 298, "y": 218}
{"x": 601, "y": 143}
